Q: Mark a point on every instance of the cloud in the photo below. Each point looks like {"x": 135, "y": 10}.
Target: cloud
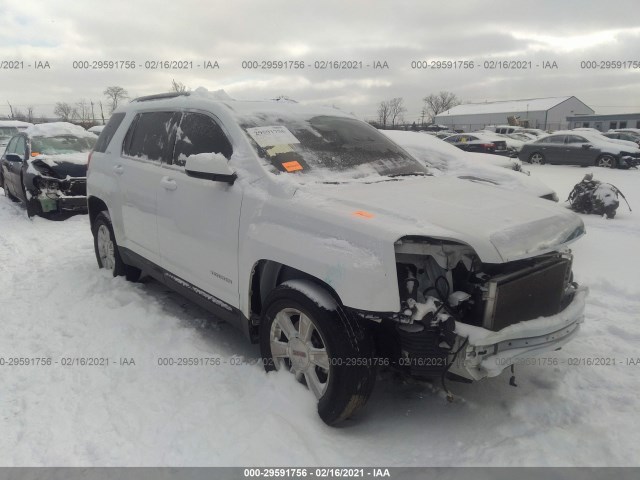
{"x": 397, "y": 32}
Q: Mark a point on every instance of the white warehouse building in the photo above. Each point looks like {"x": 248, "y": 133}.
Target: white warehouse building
{"x": 545, "y": 113}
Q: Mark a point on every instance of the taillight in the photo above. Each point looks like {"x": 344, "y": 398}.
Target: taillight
{"x": 488, "y": 145}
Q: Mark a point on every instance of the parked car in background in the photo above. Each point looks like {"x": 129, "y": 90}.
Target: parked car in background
{"x": 479, "y": 142}
{"x": 632, "y": 130}
{"x": 503, "y": 129}
{"x": 441, "y": 135}
{"x": 514, "y": 144}
{"x": 45, "y": 167}
{"x": 329, "y": 244}
{"x": 447, "y": 160}
{"x": 523, "y": 136}
{"x": 96, "y": 129}
{"x": 8, "y": 128}
{"x": 628, "y": 136}
{"x": 583, "y": 148}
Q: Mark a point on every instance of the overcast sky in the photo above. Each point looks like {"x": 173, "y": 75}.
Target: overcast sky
{"x": 397, "y": 32}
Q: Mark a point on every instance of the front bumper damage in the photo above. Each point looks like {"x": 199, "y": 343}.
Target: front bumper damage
{"x": 53, "y": 195}
{"x": 487, "y": 353}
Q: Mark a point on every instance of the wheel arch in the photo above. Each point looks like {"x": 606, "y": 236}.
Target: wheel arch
{"x": 266, "y": 275}
{"x": 95, "y": 206}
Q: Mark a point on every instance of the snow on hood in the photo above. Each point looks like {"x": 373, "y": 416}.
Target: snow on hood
{"x": 57, "y": 128}
{"x": 487, "y": 219}
{"x": 479, "y": 167}
{"x": 54, "y": 160}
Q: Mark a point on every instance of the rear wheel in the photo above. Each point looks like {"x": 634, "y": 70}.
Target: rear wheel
{"x": 106, "y": 249}
{"x": 606, "y": 161}
{"x": 324, "y": 349}
{"x": 537, "y": 158}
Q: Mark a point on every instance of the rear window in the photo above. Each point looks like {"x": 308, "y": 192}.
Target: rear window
{"x": 552, "y": 139}
{"x": 151, "y": 135}
{"x": 108, "y": 132}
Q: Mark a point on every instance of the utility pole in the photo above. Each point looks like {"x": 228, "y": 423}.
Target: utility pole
{"x": 93, "y": 116}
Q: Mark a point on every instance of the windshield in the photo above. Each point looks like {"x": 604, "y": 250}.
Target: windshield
{"x": 8, "y": 132}
{"x": 61, "y": 144}
{"x": 327, "y": 148}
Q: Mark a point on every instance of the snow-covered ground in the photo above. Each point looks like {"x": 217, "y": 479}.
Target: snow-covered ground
{"x": 55, "y": 303}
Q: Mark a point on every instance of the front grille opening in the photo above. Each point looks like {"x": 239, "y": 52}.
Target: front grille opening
{"x": 530, "y": 293}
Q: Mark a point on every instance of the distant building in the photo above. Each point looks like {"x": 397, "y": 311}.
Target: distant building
{"x": 545, "y": 113}
{"x": 605, "y": 122}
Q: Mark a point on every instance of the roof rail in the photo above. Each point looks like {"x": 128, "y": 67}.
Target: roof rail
{"x": 161, "y": 96}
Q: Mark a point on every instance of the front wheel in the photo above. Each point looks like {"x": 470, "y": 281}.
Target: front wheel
{"x": 537, "y": 158}
{"x": 606, "y": 161}
{"x": 324, "y": 349}
{"x": 106, "y": 248}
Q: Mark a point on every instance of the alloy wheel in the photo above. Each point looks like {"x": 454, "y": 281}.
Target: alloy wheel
{"x": 297, "y": 345}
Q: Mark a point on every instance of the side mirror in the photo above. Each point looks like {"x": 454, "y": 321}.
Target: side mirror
{"x": 210, "y": 166}
{"x": 13, "y": 157}
{"x": 586, "y": 146}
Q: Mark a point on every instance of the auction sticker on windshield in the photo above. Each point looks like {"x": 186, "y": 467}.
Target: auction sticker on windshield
{"x": 270, "y": 136}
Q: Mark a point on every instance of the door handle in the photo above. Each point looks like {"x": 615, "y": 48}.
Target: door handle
{"x": 168, "y": 183}
{"x": 119, "y": 169}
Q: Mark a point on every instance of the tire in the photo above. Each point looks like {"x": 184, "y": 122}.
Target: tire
{"x": 536, "y": 158}
{"x": 606, "y": 161}
{"x": 340, "y": 389}
{"x": 106, "y": 248}
{"x": 32, "y": 206}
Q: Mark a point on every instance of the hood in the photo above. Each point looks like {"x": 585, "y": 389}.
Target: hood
{"x": 501, "y": 226}
{"x": 61, "y": 166}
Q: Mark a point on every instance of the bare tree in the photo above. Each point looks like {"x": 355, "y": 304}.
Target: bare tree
{"x": 30, "y": 115}
{"x": 64, "y": 111}
{"x": 10, "y": 109}
{"x": 114, "y": 95}
{"x": 19, "y": 115}
{"x": 383, "y": 113}
{"x": 396, "y": 110}
{"x": 82, "y": 112}
{"x": 438, "y": 103}
{"x": 178, "y": 87}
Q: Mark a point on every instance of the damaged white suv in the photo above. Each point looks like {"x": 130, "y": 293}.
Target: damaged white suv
{"x": 329, "y": 244}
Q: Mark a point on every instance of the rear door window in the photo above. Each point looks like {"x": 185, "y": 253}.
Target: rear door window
{"x": 555, "y": 139}
{"x": 576, "y": 139}
{"x": 151, "y": 136}
{"x": 199, "y": 133}
{"x": 108, "y": 132}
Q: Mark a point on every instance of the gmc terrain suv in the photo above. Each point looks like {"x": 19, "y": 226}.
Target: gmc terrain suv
{"x": 328, "y": 244}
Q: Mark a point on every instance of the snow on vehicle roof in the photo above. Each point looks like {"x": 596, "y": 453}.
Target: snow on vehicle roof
{"x": 15, "y": 123}
{"x": 260, "y": 110}
{"x": 528, "y": 104}
{"x": 96, "y": 129}
{"x": 596, "y": 138}
{"x": 57, "y": 128}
